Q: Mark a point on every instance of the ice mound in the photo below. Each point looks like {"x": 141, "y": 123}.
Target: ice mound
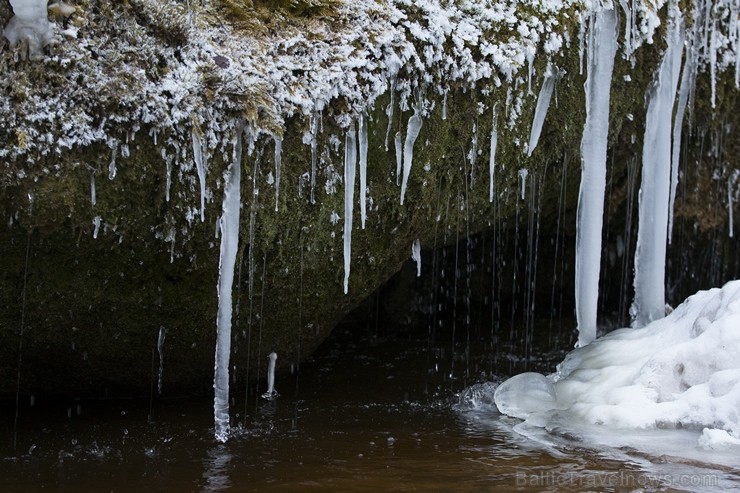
{"x": 525, "y": 394}
{"x": 682, "y": 371}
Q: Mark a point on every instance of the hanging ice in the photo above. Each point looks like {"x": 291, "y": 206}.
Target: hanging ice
{"x": 160, "y": 350}
{"x": 416, "y": 255}
{"x": 96, "y": 227}
{"x": 394, "y": 65}
{"x": 473, "y": 154}
{"x": 492, "y": 158}
{"x": 398, "y": 142}
{"x": 412, "y": 132}
{"x": 227, "y": 260}
{"x": 362, "y": 136}
{"x": 602, "y": 46}
{"x": 314, "y": 145}
{"x": 350, "y": 159}
{"x": 278, "y": 164}
{"x": 543, "y": 103}
{"x": 29, "y": 27}
{"x": 201, "y": 162}
{"x": 652, "y": 230}
{"x": 687, "y": 87}
{"x": 523, "y": 173}
{"x": 730, "y": 190}
{"x": 271, "y": 392}
{"x": 93, "y": 194}
{"x": 112, "y": 170}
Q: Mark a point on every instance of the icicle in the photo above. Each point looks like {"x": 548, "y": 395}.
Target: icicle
{"x": 201, "y": 161}
{"x": 687, "y": 80}
{"x": 523, "y": 176}
{"x": 227, "y": 260}
{"x": 93, "y": 195}
{"x": 649, "y": 303}
{"x": 492, "y": 155}
{"x": 112, "y": 166}
{"x": 730, "y": 189}
{"x": 601, "y": 50}
{"x": 473, "y": 155}
{"x": 628, "y": 49}
{"x": 713, "y": 63}
{"x": 399, "y": 156}
{"x": 350, "y": 158}
{"x": 444, "y": 105}
{"x": 416, "y": 255}
{"x": 394, "y": 65}
{"x": 543, "y": 103}
{"x": 168, "y": 179}
{"x": 314, "y": 146}
{"x": 585, "y": 21}
{"x": 530, "y": 67}
{"x": 271, "y": 392}
{"x": 362, "y": 136}
{"x": 278, "y": 164}
{"x": 412, "y": 132}
{"x": 171, "y": 240}
{"x": 160, "y": 350}
{"x": 96, "y": 227}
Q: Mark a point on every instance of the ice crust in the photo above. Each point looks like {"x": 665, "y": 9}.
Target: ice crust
{"x": 680, "y": 371}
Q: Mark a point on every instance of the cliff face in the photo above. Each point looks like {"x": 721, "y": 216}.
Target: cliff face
{"x": 115, "y": 142}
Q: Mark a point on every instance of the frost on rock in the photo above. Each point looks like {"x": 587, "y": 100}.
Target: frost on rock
{"x": 649, "y": 303}
{"x": 350, "y": 160}
{"x": 29, "y": 28}
{"x": 602, "y": 46}
{"x": 227, "y": 260}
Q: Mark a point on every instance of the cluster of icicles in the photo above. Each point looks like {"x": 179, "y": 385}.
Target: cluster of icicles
{"x": 671, "y": 90}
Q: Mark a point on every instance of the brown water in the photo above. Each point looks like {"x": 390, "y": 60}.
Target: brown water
{"x": 369, "y": 415}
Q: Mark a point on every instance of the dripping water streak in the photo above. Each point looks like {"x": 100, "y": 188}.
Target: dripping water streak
{"x": 20, "y": 343}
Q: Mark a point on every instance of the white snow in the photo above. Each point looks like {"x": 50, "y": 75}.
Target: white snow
{"x": 350, "y": 160}
{"x": 649, "y": 303}
{"x": 412, "y": 132}
{"x": 29, "y": 27}
{"x": 680, "y": 371}
{"x": 227, "y": 260}
{"x": 602, "y": 46}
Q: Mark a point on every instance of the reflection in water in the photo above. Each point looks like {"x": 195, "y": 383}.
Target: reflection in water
{"x": 216, "y": 469}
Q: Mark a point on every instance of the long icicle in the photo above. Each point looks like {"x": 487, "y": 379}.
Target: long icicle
{"x": 412, "y": 132}
{"x": 227, "y": 261}
{"x": 362, "y": 138}
{"x": 350, "y": 159}
{"x": 600, "y": 59}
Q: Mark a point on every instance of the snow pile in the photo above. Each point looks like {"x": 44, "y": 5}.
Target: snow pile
{"x": 681, "y": 371}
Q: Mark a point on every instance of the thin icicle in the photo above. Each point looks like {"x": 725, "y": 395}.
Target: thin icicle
{"x": 93, "y": 194}
{"x": 362, "y": 137}
{"x": 523, "y": 173}
{"x": 314, "y": 150}
{"x": 649, "y": 303}
{"x": 412, "y": 132}
{"x": 227, "y": 260}
{"x": 398, "y": 141}
{"x": 278, "y": 165}
{"x": 350, "y": 159}
{"x": 394, "y": 65}
{"x": 112, "y": 170}
{"x": 473, "y": 155}
{"x": 543, "y": 103}
{"x": 201, "y": 163}
{"x": 628, "y": 46}
{"x": 444, "y": 105}
{"x": 713, "y": 63}
{"x": 602, "y": 47}
{"x": 730, "y": 189}
{"x": 492, "y": 155}
{"x": 687, "y": 80}
{"x": 96, "y": 226}
{"x": 416, "y": 255}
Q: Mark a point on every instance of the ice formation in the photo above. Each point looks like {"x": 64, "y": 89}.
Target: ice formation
{"x": 271, "y": 392}
{"x": 160, "y": 350}
{"x": 492, "y": 155}
{"x": 278, "y": 168}
{"x": 543, "y": 103}
{"x": 201, "y": 165}
{"x": 362, "y": 138}
{"x": 649, "y": 303}
{"x": 602, "y": 46}
{"x": 680, "y": 371}
{"x": 229, "y": 247}
{"x": 29, "y": 27}
{"x": 412, "y": 132}
{"x": 416, "y": 255}
{"x": 350, "y": 160}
